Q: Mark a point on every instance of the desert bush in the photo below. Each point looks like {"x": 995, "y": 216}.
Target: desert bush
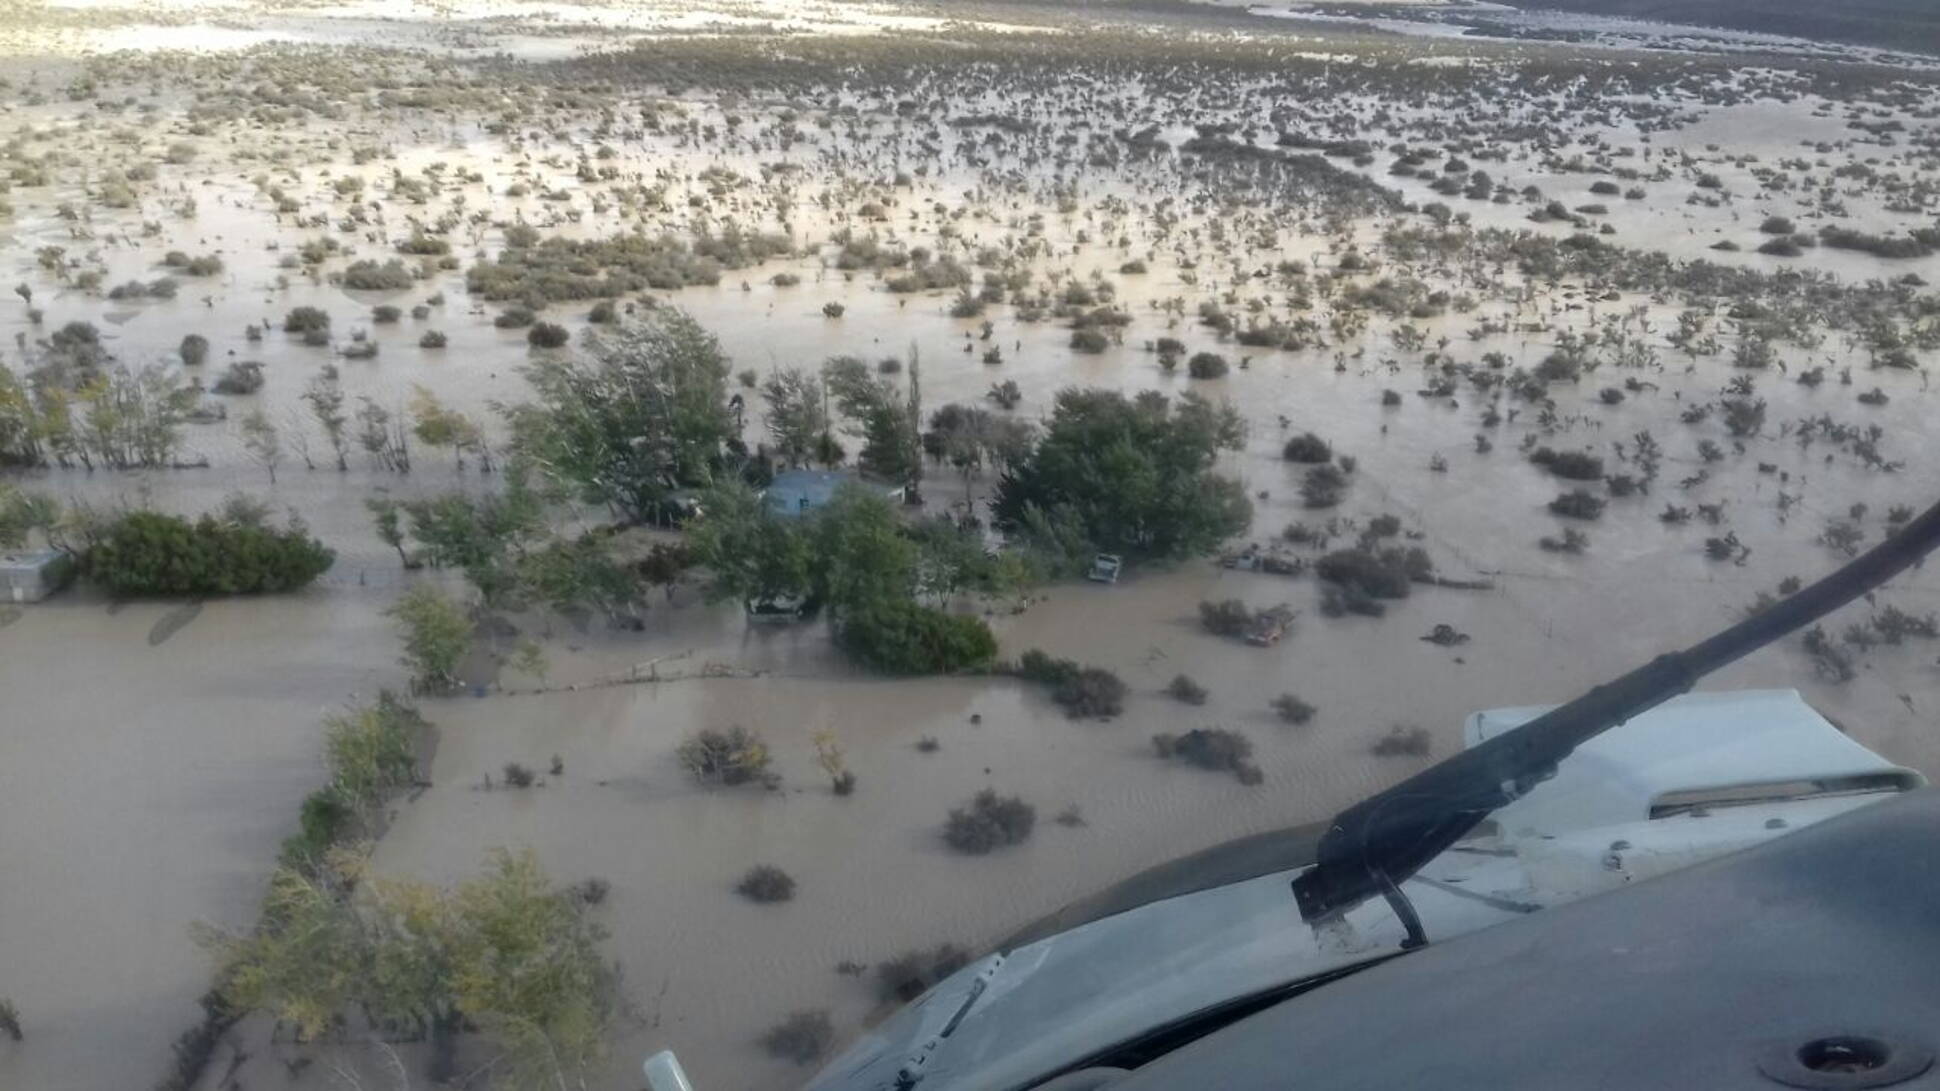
{"x": 10, "y": 1020}
{"x": 910, "y": 974}
{"x": 904, "y": 637}
{"x": 305, "y": 320}
{"x": 547, "y": 335}
{"x": 1577, "y": 504}
{"x": 241, "y": 377}
{"x": 1227, "y": 618}
{"x": 1183, "y": 688}
{"x": 1089, "y": 340}
{"x": 833, "y": 310}
{"x": 1323, "y": 486}
{"x": 385, "y": 314}
{"x": 1079, "y": 690}
{"x": 1385, "y": 573}
{"x": 514, "y": 318}
{"x": 517, "y": 775}
{"x": 765, "y": 883}
{"x": 1569, "y": 465}
{"x": 734, "y": 756}
{"x": 1207, "y": 365}
{"x": 804, "y": 1037}
{"x": 148, "y": 553}
{"x": 432, "y": 339}
{"x": 1402, "y": 740}
{"x": 602, "y": 313}
{"x": 591, "y": 891}
{"x": 1212, "y": 748}
{"x": 437, "y": 634}
{"x": 988, "y": 822}
{"x": 1292, "y": 709}
{"x": 1307, "y": 448}
{"x": 194, "y": 349}
{"x": 370, "y": 276}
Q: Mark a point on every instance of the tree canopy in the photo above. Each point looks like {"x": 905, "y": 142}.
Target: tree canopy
{"x": 646, "y": 414}
{"x": 1128, "y": 475}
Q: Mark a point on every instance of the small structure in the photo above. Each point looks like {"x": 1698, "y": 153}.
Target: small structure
{"x": 797, "y": 492}
{"x": 32, "y": 575}
{"x": 1105, "y": 568}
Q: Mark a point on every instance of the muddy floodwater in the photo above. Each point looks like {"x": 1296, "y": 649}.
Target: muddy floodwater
{"x": 153, "y": 754}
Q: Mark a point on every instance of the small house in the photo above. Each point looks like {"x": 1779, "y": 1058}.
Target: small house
{"x": 797, "y": 492}
{"x": 32, "y": 575}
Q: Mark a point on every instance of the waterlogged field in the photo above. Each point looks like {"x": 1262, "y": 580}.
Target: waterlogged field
{"x": 1484, "y": 276}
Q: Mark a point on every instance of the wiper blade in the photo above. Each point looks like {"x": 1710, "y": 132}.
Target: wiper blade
{"x": 1373, "y": 846}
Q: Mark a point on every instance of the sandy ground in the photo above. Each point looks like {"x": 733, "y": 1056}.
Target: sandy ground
{"x": 145, "y": 782}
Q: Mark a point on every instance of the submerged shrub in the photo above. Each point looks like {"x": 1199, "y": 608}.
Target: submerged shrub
{"x": 1183, "y": 688}
{"x": 766, "y": 884}
{"x": 148, "y": 553}
{"x": 989, "y": 821}
{"x": 910, "y": 974}
{"x": 804, "y": 1037}
{"x": 903, "y": 637}
{"x": 1402, "y": 740}
{"x": 734, "y": 756}
{"x": 1212, "y": 748}
{"x": 1308, "y": 448}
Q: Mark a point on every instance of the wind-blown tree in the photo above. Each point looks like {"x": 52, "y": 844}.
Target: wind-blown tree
{"x": 325, "y": 397}
{"x": 647, "y": 414}
{"x": 1133, "y": 476}
{"x": 798, "y": 416}
{"x": 23, "y": 511}
{"x": 506, "y": 952}
{"x": 856, "y": 558}
{"x": 751, "y": 556}
{"x": 889, "y": 423}
{"x": 436, "y": 425}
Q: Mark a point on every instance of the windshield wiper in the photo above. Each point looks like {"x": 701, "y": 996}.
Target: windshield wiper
{"x": 1373, "y": 847}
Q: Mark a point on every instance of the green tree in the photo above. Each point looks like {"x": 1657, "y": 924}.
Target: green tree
{"x": 23, "y": 511}
{"x": 506, "y": 952}
{"x": 646, "y": 415}
{"x": 1131, "y": 476}
{"x": 892, "y": 444}
{"x": 148, "y": 553}
{"x": 437, "y": 634}
{"x": 751, "y": 556}
{"x": 797, "y": 416}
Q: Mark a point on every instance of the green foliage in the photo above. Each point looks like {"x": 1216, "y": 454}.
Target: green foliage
{"x": 23, "y": 511}
{"x": 903, "y": 637}
{"x": 437, "y": 633}
{"x": 390, "y": 276}
{"x": 890, "y": 426}
{"x": 797, "y": 416}
{"x": 148, "y": 553}
{"x": 734, "y": 756}
{"x": 751, "y": 556}
{"x": 1129, "y": 476}
{"x": 506, "y": 952}
{"x": 646, "y": 415}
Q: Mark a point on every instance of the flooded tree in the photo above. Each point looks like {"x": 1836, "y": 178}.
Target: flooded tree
{"x": 646, "y": 415}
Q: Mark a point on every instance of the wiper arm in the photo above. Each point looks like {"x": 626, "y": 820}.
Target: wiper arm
{"x": 1375, "y": 845}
